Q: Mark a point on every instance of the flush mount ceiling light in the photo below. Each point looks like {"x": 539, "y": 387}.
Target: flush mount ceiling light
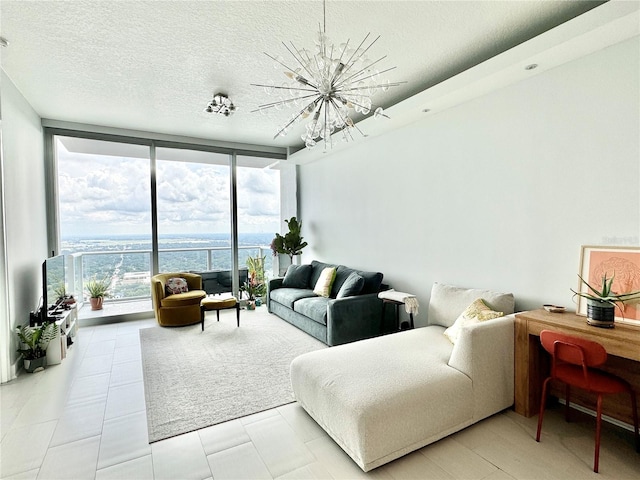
{"x": 221, "y": 105}
{"x": 325, "y": 85}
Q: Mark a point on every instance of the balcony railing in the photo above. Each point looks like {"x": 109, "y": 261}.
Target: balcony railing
{"x": 130, "y": 270}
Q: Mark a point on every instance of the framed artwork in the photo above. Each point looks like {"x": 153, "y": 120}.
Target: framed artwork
{"x": 621, "y": 262}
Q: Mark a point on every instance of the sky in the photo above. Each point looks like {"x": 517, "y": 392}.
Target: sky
{"x": 104, "y": 194}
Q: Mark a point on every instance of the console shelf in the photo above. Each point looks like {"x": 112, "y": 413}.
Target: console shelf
{"x": 67, "y": 321}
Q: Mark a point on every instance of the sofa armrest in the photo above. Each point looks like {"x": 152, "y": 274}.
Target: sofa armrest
{"x": 273, "y": 284}
{"x": 485, "y": 353}
{"x": 355, "y": 318}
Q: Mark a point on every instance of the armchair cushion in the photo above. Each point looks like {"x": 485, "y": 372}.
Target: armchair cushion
{"x": 176, "y": 285}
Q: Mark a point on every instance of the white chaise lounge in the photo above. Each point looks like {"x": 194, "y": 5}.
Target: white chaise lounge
{"x": 382, "y": 398}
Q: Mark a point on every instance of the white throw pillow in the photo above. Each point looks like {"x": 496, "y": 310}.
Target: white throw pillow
{"x": 447, "y": 302}
{"x": 477, "y": 312}
{"x": 324, "y": 283}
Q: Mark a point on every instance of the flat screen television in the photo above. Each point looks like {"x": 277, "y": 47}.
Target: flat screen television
{"x": 53, "y": 283}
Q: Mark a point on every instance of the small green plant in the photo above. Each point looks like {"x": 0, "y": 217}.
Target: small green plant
{"x": 35, "y": 340}
{"x": 254, "y": 289}
{"x": 60, "y": 291}
{"x": 606, "y": 295}
{"x": 291, "y": 243}
{"x": 98, "y": 288}
{"x": 255, "y": 265}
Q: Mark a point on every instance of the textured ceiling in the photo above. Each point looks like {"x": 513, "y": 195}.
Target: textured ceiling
{"x": 154, "y": 65}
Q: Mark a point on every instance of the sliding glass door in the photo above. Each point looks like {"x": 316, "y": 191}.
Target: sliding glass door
{"x": 124, "y": 211}
{"x": 193, "y": 191}
{"x": 104, "y": 215}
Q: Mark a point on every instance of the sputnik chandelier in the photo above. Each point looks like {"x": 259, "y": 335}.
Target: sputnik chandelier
{"x": 325, "y": 85}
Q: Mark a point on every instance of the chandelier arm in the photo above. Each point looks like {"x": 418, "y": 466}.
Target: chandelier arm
{"x": 299, "y": 62}
{"x": 281, "y": 63}
{"x": 346, "y": 45}
{"x": 350, "y": 63}
{"x": 316, "y": 116}
{"x": 280, "y": 87}
{"x": 267, "y": 106}
{"x": 343, "y": 118}
{"x": 356, "y": 50}
{"x": 394, "y": 84}
{"x": 294, "y": 119}
{"x": 366, "y": 68}
{"x": 342, "y": 99}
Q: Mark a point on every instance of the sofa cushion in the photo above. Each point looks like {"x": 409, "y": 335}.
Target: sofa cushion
{"x": 477, "y": 312}
{"x": 448, "y": 302}
{"x": 372, "y": 282}
{"x": 288, "y": 296}
{"x": 324, "y": 283}
{"x": 297, "y": 276}
{"x": 342, "y": 273}
{"x": 351, "y": 286}
{"x": 316, "y": 270}
{"x": 313, "y": 307}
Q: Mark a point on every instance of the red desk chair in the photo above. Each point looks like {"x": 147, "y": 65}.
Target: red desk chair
{"x": 572, "y": 358}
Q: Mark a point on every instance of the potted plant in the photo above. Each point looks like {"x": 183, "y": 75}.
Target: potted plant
{"x": 254, "y": 289}
{"x": 34, "y": 342}
{"x": 255, "y": 266}
{"x": 291, "y": 243}
{"x": 97, "y": 290}
{"x": 601, "y": 304}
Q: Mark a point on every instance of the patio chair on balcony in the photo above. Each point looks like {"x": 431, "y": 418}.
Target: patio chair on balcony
{"x": 179, "y": 308}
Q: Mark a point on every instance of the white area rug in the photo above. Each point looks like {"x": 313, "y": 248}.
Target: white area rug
{"x": 195, "y": 379}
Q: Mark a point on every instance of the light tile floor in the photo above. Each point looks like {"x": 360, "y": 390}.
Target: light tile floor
{"x": 85, "y": 418}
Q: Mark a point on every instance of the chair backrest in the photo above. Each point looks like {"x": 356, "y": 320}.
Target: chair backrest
{"x": 575, "y": 350}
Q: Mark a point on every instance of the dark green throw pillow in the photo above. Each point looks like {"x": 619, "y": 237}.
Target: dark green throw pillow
{"x": 352, "y": 286}
{"x": 297, "y": 276}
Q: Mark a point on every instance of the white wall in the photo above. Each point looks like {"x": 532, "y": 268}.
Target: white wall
{"x": 499, "y": 192}
{"x": 24, "y": 224}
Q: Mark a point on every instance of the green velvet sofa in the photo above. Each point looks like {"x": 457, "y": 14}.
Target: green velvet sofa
{"x": 336, "y": 319}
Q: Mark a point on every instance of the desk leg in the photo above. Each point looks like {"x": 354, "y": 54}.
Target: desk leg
{"x": 528, "y": 370}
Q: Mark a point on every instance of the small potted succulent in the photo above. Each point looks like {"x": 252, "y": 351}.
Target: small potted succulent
{"x": 601, "y": 304}
{"x": 34, "y": 342}
{"x": 97, "y": 290}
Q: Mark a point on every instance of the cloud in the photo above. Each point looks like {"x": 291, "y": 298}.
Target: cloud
{"x": 110, "y": 194}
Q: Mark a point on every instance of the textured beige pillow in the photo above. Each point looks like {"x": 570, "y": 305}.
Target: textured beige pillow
{"x": 477, "y": 312}
{"x": 324, "y": 283}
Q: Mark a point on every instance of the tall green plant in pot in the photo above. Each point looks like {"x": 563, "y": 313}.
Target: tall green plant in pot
{"x": 291, "y": 243}
{"x": 34, "y": 342}
{"x": 601, "y": 303}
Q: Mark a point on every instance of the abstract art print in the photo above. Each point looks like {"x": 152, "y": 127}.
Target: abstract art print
{"x": 621, "y": 263}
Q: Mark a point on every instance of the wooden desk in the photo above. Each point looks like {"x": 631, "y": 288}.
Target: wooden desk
{"x": 532, "y": 362}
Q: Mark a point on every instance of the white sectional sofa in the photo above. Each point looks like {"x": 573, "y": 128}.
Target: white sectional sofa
{"x": 384, "y": 397}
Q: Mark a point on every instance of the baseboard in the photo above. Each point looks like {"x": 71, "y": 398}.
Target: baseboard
{"x": 606, "y": 418}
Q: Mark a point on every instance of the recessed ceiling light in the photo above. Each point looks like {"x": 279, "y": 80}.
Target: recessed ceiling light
{"x": 4, "y": 42}
{"x": 531, "y": 66}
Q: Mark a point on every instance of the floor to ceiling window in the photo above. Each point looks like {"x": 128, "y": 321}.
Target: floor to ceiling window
{"x": 258, "y": 209}
{"x": 194, "y": 210}
{"x": 106, "y": 215}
